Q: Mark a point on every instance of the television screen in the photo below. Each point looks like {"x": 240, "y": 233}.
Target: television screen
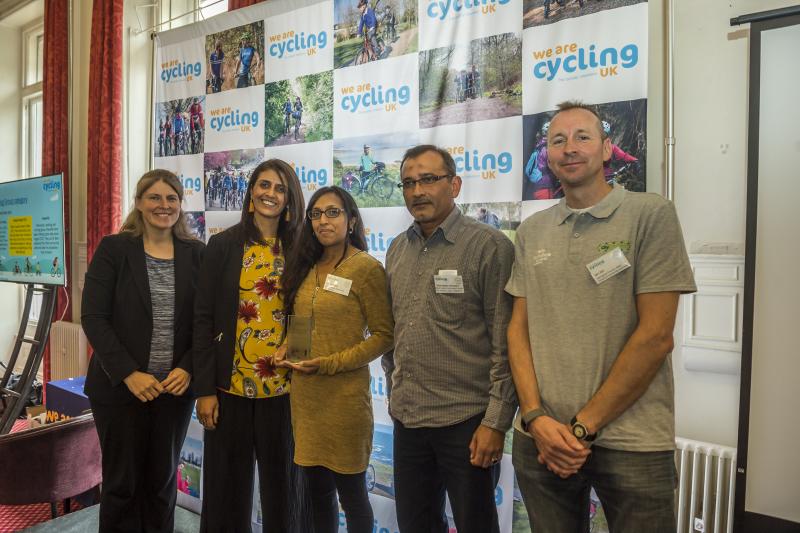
{"x": 32, "y": 231}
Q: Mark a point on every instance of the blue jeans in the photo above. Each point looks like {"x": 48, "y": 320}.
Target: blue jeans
{"x": 636, "y": 489}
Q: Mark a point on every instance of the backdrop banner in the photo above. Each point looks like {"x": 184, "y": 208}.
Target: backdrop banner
{"x": 311, "y": 82}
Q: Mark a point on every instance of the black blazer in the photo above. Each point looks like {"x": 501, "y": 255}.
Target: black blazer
{"x": 117, "y": 315}
{"x": 215, "y": 310}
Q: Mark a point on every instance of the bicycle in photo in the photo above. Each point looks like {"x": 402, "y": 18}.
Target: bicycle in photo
{"x": 297, "y": 117}
{"x": 286, "y": 123}
{"x": 627, "y": 176}
{"x": 374, "y": 183}
{"x": 367, "y": 54}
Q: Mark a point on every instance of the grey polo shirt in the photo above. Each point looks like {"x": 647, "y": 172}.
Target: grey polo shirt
{"x": 577, "y": 328}
{"x": 450, "y": 360}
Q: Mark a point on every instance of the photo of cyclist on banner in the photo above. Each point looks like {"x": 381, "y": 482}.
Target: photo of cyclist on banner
{"x": 235, "y": 58}
{"x": 369, "y": 168}
{"x": 625, "y": 124}
{"x": 370, "y": 30}
{"x": 539, "y": 12}
{"x": 299, "y": 110}
{"x": 465, "y": 82}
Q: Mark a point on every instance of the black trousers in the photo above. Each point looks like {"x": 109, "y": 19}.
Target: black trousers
{"x": 250, "y": 430}
{"x": 425, "y": 459}
{"x": 352, "y": 488}
{"x": 141, "y": 444}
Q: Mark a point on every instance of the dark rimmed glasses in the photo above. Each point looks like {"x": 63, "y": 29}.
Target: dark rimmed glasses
{"x": 331, "y": 212}
{"x": 425, "y": 179}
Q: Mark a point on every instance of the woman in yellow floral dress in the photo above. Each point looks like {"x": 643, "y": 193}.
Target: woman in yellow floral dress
{"x": 243, "y": 398}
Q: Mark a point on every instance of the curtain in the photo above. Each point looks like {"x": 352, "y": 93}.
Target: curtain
{"x": 55, "y": 131}
{"x": 236, "y": 4}
{"x": 104, "y": 172}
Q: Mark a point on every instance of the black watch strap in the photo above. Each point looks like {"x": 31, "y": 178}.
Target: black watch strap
{"x": 580, "y": 432}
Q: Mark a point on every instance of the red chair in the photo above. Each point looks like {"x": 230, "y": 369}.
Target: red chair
{"x": 50, "y": 463}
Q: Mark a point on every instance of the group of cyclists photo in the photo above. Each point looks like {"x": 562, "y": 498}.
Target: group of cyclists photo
{"x": 180, "y": 127}
{"x": 235, "y": 58}
{"x": 467, "y": 83}
{"x": 225, "y": 188}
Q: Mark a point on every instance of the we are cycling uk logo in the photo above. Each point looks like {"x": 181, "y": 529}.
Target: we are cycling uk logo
{"x": 366, "y": 97}
{"x": 228, "y": 119}
{"x": 571, "y": 59}
{"x": 442, "y": 9}
{"x": 311, "y": 178}
{"x": 191, "y": 185}
{"x": 473, "y": 162}
{"x": 292, "y": 44}
{"x": 177, "y": 70}
{"x": 377, "y": 242}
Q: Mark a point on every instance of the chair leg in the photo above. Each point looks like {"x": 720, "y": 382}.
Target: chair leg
{"x": 67, "y": 505}
{"x": 53, "y": 510}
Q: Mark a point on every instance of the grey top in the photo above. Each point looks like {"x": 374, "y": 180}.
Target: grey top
{"x": 161, "y": 278}
{"x": 450, "y": 360}
{"x": 577, "y": 328}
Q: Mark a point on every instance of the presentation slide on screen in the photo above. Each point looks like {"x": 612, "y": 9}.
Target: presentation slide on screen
{"x": 32, "y": 231}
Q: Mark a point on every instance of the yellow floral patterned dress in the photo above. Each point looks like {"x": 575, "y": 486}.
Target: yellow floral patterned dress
{"x": 259, "y": 324}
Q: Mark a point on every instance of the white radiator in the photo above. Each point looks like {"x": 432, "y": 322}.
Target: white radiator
{"x": 68, "y": 351}
{"x": 706, "y": 480}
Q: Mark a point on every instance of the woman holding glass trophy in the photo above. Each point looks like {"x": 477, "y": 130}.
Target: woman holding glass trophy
{"x": 339, "y": 320}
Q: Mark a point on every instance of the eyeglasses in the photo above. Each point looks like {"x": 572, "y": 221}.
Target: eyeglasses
{"x": 331, "y": 212}
{"x": 425, "y": 179}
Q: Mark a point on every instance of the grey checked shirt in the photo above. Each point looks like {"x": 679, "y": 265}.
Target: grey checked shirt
{"x": 450, "y": 360}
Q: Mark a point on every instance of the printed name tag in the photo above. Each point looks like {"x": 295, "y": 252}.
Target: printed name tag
{"x": 338, "y": 285}
{"x": 448, "y": 282}
{"x": 608, "y": 265}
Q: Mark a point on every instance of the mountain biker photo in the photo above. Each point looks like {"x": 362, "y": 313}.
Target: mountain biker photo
{"x": 540, "y": 12}
{"x": 248, "y": 57}
{"x": 371, "y": 30}
{"x": 215, "y": 60}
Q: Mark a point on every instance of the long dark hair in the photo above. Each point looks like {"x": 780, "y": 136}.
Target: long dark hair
{"x": 305, "y": 254}
{"x": 288, "y": 230}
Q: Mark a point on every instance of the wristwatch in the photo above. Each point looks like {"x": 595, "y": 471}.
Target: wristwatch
{"x": 532, "y": 415}
{"x": 580, "y": 432}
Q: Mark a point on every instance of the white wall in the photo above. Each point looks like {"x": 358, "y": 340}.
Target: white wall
{"x": 711, "y": 88}
{"x": 10, "y": 116}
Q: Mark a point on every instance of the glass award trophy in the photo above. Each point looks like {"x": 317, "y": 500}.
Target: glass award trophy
{"x": 298, "y": 338}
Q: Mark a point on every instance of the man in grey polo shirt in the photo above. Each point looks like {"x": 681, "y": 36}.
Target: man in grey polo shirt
{"x": 596, "y": 281}
{"x": 450, "y": 390}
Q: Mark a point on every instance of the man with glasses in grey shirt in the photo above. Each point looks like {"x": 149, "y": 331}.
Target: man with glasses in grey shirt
{"x": 450, "y": 390}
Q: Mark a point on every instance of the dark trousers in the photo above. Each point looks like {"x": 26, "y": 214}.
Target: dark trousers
{"x": 140, "y": 442}
{"x": 426, "y": 460}
{"x": 636, "y": 489}
{"x": 251, "y": 430}
{"x": 323, "y": 484}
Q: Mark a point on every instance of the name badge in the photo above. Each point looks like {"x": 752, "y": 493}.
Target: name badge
{"x": 448, "y": 282}
{"x": 338, "y": 285}
{"x": 608, "y": 265}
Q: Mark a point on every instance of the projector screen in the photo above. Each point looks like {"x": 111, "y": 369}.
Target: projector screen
{"x": 32, "y": 231}
{"x": 770, "y": 465}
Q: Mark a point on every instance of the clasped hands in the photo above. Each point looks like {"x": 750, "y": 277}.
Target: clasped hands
{"x": 147, "y": 388}
{"x": 559, "y": 450}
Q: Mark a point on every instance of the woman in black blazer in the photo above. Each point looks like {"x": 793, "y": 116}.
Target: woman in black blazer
{"x": 137, "y": 312}
{"x": 242, "y": 398}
